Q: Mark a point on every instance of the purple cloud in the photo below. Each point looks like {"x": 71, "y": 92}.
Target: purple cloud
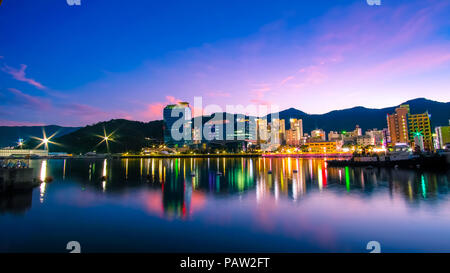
{"x": 19, "y": 74}
{"x": 25, "y": 100}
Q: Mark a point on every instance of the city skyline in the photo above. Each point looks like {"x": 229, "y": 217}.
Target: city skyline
{"x": 99, "y": 64}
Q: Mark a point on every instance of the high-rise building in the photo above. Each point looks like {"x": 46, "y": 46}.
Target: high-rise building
{"x": 297, "y": 126}
{"x": 174, "y": 135}
{"x": 282, "y": 131}
{"x": 419, "y": 125}
{"x": 398, "y": 125}
{"x": 262, "y": 130}
{"x": 442, "y": 136}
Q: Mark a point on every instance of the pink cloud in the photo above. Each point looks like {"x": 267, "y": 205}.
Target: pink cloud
{"x": 19, "y": 74}
{"x": 4, "y": 122}
{"x": 219, "y": 93}
{"x": 89, "y": 114}
{"x": 172, "y": 99}
{"x": 29, "y": 101}
{"x": 412, "y": 62}
{"x": 284, "y": 81}
{"x": 155, "y": 110}
{"x": 82, "y": 110}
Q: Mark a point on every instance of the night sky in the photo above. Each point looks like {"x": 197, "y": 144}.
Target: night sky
{"x": 77, "y": 65}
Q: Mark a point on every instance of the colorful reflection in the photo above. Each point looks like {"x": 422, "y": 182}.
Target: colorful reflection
{"x": 283, "y": 178}
{"x": 43, "y": 178}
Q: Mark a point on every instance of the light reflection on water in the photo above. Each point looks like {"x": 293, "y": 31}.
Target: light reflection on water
{"x": 227, "y": 204}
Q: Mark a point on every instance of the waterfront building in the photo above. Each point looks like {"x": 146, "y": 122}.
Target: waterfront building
{"x": 418, "y": 142}
{"x": 177, "y": 136}
{"x": 379, "y": 136}
{"x": 323, "y": 147}
{"x": 398, "y": 125}
{"x": 419, "y": 125}
{"x": 442, "y": 136}
{"x": 22, "y": 152}
{"x": 365, "y": 140}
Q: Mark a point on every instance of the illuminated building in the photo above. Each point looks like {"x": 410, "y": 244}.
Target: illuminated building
{"x": 282, "y": 131}
{"x": 365, "y": 140}
{"x": 442, "y": 136}
{"x": 22, "y": 152}
{"x": 280, "y": 125}
{"x": 262, "y": 130}
{"x": 357, "y": 132}
{"x": 297, "y": 126}
{"x": 196, "y": 135}
{"x": 317, "y": 135}
{"x": 292, "y": 138}
{"x": 214, "y": 130}
{"x": 246, "y": 129}
{"x": 323, "y": 147}
{"x": 295, "y": 133}
{"x": 182, "y": 135}
{"x": 418, "y": 141}
{"x": 333, "y": 135}
{"x": 379, "y": 136}
{"x": 398, "y": 125}
{"x": 419, "y": 125}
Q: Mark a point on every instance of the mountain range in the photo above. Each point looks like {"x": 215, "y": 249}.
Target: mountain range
{"x": 133, "y": 135}
{"x": 367, "y": 118}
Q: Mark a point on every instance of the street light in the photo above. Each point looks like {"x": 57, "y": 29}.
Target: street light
{"x": 45, "y": 140}
{"x": 105, "y": 138}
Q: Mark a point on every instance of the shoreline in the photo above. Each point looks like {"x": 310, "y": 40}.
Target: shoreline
{"x": 221, "y": 155}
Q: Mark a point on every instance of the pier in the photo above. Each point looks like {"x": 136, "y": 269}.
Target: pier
{"x": 16, "y": 179}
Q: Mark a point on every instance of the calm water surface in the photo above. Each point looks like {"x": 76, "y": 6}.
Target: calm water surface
{"x": 226, "y": 205}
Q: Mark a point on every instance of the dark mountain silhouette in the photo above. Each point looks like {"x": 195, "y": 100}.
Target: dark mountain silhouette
{"x": 125, "y": 136}
{"x": 367, "y": 118}
{"x": 9, "y": 135}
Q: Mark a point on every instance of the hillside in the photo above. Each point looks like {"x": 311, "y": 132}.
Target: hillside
{"x": 126, "y": 136}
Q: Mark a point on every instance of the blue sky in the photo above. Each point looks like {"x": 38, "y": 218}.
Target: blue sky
{"x": 76, "y": 65}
